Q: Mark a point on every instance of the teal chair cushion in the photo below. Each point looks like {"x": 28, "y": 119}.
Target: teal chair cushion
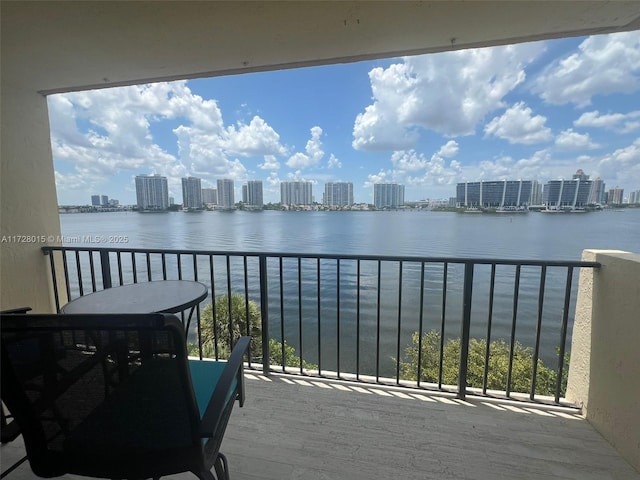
{"x": 205, "y": 375}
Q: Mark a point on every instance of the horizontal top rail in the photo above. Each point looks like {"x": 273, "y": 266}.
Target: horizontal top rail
{"x": 333, "y": 256}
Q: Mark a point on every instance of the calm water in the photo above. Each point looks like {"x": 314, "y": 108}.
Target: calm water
{"x": 411, "y": 233}
{"x": 525, "y": 236}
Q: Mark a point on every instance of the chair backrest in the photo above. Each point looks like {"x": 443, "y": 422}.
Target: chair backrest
{"x": 100, "y": 395}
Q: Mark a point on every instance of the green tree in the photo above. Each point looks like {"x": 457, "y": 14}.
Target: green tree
{"x": 522, "y": 367}
{"x": 219, "y": 328}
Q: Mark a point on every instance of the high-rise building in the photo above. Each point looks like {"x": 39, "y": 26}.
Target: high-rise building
{"x": 152, "y": 192}
{"x": 561, "y": 194}
{"x": 338, "y": 193}
{"x": 191, "y": 193}
{"x": 536, "y": 193}
{"x": 634, "y": 197}
{"x": 597, "y": 192}
{"x": 296, "y": 193}
{"x": 252, "y": 193}
{"x": 95, "y": 200}
{"x": 226, "y": 198}
{"x": 388, "y": 195}
{"x": 104, "y": 200}
{"x": 504, "y": 194}
{"x": 210, "y": 196}
{"x": 580, "y": 175}
{"x": 615, "y": 196}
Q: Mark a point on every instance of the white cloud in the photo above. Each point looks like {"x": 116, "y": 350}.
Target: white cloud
{"x": 270, "y": 163}
{"x": 255, "y": 139}
{"x": 314, "y": 152}
{"x": 450, "y": 149}
{"x": 449, "y": 93}
{"x": 605, "y": 64}
{"x": 570, "y": 140}
{"x": 517, "y": 125}
{"x": 621, "y": 166}
{"x": 334, "y": 162}
{"x": 619, "y": 122}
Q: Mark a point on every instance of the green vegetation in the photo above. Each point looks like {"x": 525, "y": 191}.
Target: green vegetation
{"x": 240, "y": 311}
{"x": 522, "y": 369}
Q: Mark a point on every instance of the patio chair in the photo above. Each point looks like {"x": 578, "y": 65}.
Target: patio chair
{"x": 115, "y": 396}
{"x": 9, "y": 430}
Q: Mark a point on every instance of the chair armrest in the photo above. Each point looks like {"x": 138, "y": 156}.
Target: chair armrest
{"x": 16, "y": 310}
{"x": 225, "y": 387}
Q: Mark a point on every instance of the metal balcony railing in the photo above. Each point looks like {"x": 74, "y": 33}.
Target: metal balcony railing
{"x": 365, "y": 318}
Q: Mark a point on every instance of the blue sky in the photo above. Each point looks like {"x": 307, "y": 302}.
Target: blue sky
{"x": 536, "y": 111}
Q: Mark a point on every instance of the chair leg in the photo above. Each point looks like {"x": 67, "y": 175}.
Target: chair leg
{"x": 222, "y": 467}
{"x": 205, "y": 475}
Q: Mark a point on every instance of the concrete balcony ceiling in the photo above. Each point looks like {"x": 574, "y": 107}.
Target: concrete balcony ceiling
{"x": 61, "y": 46}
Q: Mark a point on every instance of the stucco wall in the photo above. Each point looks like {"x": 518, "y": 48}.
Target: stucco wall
{"x": 604, "y": 372}
{"x": 29, "y": 207}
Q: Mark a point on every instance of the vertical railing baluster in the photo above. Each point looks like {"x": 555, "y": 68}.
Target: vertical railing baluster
{"x": 420, "y": 325}
{"x": 487, "y": 351}
{"x": 264, "y": 314}
{"x": 92, "y": 270}
{"x": 563, "y": 333}
{"x": 283, "y": 350}
{"x": 148, "y": 258}
{"x": 119, "y": 258}
{"x": 163, "y": 259}
{"x": 229, "y": 302}
{"x": 516, "y": 292}
{"x": 105, "y": 268}
{"x": 338, "y": 317}
{"x": 465, "y": 330}
{"x": 445, "y": 274}
{"x": 65, "y": 269}
{"x": 400, "y": 275}
{"x": 79, "y": 272}
{"x": 379, "y": 293}
{"x": 134, "y": 270}
{"x": 179, "y": 265}
{"x": 536, "y": 348}
{"x": 54, "y": 279}
{"x": 300, "y": 309}
{"x": 246, "y": 306}
{"x": 214, "y": 313}
{"x": 358, "y": 320}
{"x": 319, "y": 318}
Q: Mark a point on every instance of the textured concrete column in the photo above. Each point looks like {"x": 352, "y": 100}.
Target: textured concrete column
{"x": 28, "y": 199}
{"x": 604, "y": 373}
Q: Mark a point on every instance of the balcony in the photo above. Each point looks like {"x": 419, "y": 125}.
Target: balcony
{"x": 294, "y": 427}
{"x": 349, "y": 417}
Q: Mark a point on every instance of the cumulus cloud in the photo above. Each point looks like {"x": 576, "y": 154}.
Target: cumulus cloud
{"x": 102, "y": 133}
{"x": 334, "y": 162}
{"x": 603, "y": 65}
{"x": 619, "y": 122}
{"x": 570, "y": 140}
{"x": 518, "y": 125}
{"x": 313, "y": 149}
{"x": 449, "y": 93}
{"x": 270, "y": 163}
{"x": 623, "y": 165}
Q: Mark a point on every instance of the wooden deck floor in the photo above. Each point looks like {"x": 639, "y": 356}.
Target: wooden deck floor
{"x": 295, "y": 428}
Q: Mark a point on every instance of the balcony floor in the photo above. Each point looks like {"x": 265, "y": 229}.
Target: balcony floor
{"x": 312, "y": 429}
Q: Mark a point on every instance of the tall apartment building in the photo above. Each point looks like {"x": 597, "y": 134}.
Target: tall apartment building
{"x": 597, "y": 192}
{"x": 252, "y": 194}
{"x": 338, "y": 193}
{"x": 296, "y": 193}
{"x": 580, "y": 175}
{"x": 634, "y": 197}
{"x": 95, "y": 200}
{"x": 388, "y": 195}
{"x": 615, "y": 196}
{"x": 191, "y": 193}
{"x": 560, "y": 194}
{"x": 152, "y": 192}
{"x": 104, "y": 200}
{"x": 536, "y": 193}
{"x": 225, "y": 193}
{"x": 494, "y": 194}
{"x": 210, "y": 196}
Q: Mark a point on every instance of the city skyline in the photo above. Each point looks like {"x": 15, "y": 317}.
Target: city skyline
{"x": 536, "y": 111}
